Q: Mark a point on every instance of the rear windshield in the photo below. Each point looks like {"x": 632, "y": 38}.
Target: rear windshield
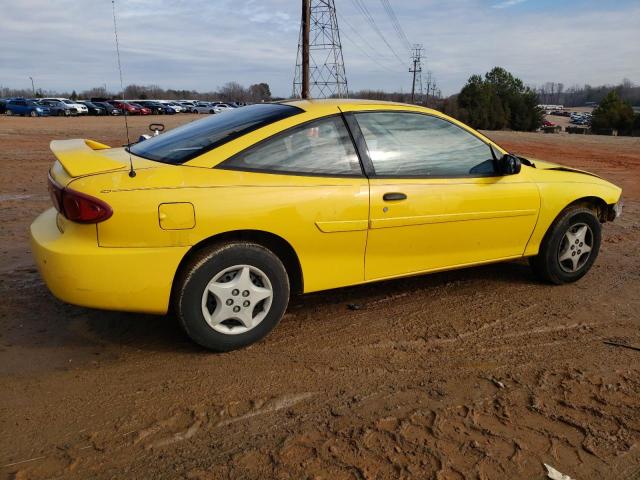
{"x": 188, "y": 141}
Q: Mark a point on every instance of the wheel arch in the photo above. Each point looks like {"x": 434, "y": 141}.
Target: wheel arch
{"x": 595, "y": 203}
{"x": 274, "y": 243}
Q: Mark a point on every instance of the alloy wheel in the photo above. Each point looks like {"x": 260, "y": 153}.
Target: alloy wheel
{"x": 237, "y": 299}
{"x": 575, "y": 247}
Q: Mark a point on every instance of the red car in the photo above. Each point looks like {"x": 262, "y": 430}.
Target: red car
{"x": 128, "y": 108}
{"x": 143, "y": 110}
{"x": 547, "y": 123}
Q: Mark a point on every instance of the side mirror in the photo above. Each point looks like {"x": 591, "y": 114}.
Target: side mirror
{"x": 156, "y": 128}
{"x": 509, "y": 165}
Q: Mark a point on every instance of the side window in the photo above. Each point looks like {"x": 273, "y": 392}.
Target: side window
{"x": 322, "y": 147}
{"x": 416, "y": 145}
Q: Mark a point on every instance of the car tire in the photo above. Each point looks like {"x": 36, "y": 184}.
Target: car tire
{"x": 562, "y": 257}
{"x": 33, "y": 113}
{"x": 9, "y": 112}
{"x": 234, "y": 277}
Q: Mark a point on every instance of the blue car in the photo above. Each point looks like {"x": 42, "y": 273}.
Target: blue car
{"x": 22, "y": 106}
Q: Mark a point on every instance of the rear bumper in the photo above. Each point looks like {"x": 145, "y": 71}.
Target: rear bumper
{"x": 78, "y": 271}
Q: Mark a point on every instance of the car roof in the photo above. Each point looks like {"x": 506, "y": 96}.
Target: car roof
{"x": 310, "y": 105}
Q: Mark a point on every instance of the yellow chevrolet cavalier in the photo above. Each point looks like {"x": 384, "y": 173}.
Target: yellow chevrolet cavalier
{"x": 223, "y": 218}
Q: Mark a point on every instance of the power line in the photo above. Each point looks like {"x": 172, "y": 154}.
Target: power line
{"x": 367, "y": 15}
{"x": 396, "y": 23}
{"x": 344, "y": 21}
{"x": 373, "y": 59}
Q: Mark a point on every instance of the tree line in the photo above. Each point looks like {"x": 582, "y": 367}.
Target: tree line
{"x": 498, "y": 100}
{"x": 431, "y": 100}
{"x": 555, "y": 93}
{"x": 229, "y": 92}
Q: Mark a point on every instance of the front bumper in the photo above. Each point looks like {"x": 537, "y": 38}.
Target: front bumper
{"x": 78, "y": 271}
{"x": 614, "y": 211}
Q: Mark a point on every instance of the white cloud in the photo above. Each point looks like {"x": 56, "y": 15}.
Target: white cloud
{"x": 507, "y": 3}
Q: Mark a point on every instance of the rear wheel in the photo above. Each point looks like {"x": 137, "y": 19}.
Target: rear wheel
{"x": 569, "y": 248}
{"x": 231, "y": 296}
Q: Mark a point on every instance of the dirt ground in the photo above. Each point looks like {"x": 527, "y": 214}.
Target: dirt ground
{"x": 482, "y": 373}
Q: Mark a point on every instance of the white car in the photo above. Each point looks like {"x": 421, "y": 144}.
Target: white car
{"x": 177, "y": 107}
{"x": 204, "y": 107}
{"x": 222, "y": 107}
{"x": 82, "y": 109}
{"x": 188, "y": 105}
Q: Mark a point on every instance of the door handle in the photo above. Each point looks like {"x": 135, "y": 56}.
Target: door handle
{"x": 394, "y": 196}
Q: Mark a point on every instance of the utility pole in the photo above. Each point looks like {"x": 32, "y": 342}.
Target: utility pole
{"x": 416, "y": 70}
{"x": 33, "y": 88}
{"x": 319, "y": 65}
{"x": 306, "y": 22}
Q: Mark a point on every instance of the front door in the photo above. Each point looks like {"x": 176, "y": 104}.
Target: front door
{"x": 436, "y": 200}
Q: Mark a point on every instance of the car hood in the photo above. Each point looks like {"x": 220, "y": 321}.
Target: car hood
{"x": 544, "y": 165}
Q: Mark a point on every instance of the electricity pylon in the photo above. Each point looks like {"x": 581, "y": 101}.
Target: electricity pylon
{"x": 416, "y": 70}
{"x": 319, "y": 66}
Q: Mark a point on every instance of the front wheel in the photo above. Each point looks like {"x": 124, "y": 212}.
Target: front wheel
{"x": 33, "y": 113}
{"x": 569, "y": 248}
{"x": 231, "y": 296}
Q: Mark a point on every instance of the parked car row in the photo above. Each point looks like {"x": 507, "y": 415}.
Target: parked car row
{"x": 170, "y": 107}
{"x": 39, "y": 107}
{"x": 580, "y": 118}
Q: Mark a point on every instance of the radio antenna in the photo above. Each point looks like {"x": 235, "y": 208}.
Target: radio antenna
{"x": 132, "y": 172}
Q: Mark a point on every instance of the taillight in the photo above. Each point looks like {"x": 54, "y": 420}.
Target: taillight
{"x": 55, "y": 192}
{"x": 76, "y": 206}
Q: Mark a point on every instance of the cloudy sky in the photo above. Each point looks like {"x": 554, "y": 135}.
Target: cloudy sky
{"x": 202, "y": 44}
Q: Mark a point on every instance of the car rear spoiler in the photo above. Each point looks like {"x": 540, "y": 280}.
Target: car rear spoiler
{"x": 83, "y": 157}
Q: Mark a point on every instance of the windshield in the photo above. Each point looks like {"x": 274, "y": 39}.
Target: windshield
{"x": 195, "y": 138}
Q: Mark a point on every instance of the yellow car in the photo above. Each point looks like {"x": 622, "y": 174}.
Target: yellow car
{"x": 223, "y": 218}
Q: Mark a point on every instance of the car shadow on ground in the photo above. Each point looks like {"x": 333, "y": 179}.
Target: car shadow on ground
{"x": 488, "y": 276}
{"x": 38, "y": 320}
